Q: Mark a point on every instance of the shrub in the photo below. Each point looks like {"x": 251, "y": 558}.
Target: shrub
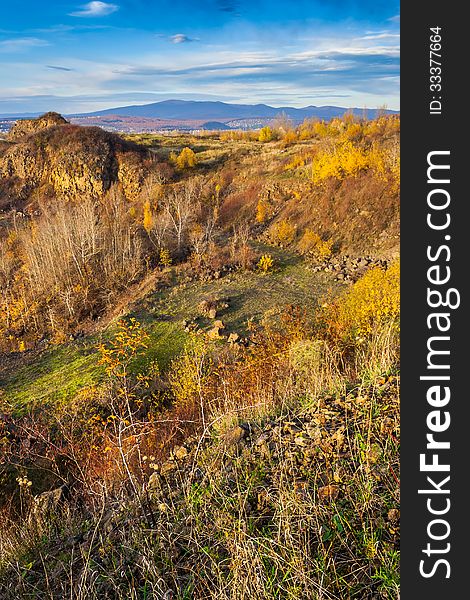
{"x": 290, "y": 137}
{"x": 346, "y": 160}
{"x": 265, "y": 135}
{"x": 266, "y": 263}
{"x": 312, "y": 244}
{"x": 295, "y": 162}
{"x": 165, "y": 258}
{"x": 263, "y": 210}
{"x": 148, "y": 217}
{"x": 186, "y": 159}
{"x": 282, "y": 233}
{"x": 373, "y": 301}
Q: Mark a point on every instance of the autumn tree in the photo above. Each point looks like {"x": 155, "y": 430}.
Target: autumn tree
{"x": 265, "y": 134}
{"x": 186, "y": 159}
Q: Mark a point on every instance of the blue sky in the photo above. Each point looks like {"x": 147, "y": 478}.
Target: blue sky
{"x": 75, "y": 56}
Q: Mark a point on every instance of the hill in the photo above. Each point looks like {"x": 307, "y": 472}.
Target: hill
{"x": 199, "y": 362}
{"x": 216, "y": 111}
{"x": 51, "y": 157}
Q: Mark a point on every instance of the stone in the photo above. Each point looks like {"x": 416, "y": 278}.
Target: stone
{"x": 212, "y": 313}
{"x": 214, "y": 333}
{"x": 180, "y": 452}
{"x": 233, "y": 337}
{"x": 219, "y": 324}
{"x": 47, "y": 504}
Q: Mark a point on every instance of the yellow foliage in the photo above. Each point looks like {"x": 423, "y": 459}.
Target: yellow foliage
{"x": 346, "y": 160}
{"x": 282, "y": 233}
{"x": 372, "y": 301}
{"x": 186, "y": 159}
{"x": 353, "y": 131}
{"x": 312, "y": 244}
{"x": 295, "y": 162}
{"x": 289, "y": 138}
{"x": 263, "y": 210}
{"x": 148, "y": 217}
{"x": 190, "y": 373}
{"x": 320, "y": 128}
{"x": 266, "y": 263}
{"x": 265, "y": 135}
{"x": 165, "y": 258}
{"x": 128, "y": 342}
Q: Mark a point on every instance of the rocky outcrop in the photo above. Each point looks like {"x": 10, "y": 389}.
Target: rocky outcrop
{"x": 50, "y": 157}
{"x": 26, "y": 127}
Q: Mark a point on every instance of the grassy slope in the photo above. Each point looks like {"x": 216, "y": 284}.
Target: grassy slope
{"x": 305, "y": 506}
{"x": 58, "y": 373}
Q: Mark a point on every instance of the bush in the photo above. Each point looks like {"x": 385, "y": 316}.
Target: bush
{"x": 282, "y": 233}
{"x": 266, "y": 263}
{"x": 186, "y": 159}
{"x": 265, "y": 135}
{"x": 312, "y": 244}
{"x": 295, "y": 162}
{"x": 372, "y": 302}
{"x": 263, "y": 210}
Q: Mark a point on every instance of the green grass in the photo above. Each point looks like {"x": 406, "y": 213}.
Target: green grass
{"x": 251, "y": 294}
{"x": 62, "y": 371}
{"x": 56, "y": 375}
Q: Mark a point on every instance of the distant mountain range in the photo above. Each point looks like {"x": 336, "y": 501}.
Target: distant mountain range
{"x": 222, "y": 111}
{"x": 191, "y": 115}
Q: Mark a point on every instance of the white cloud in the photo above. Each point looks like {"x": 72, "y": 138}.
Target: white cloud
{"x": 381, "y": 36}
{"x": 95, "y": 9}
{"x": 21, "y": 44}
{"x": 181, "y": 38}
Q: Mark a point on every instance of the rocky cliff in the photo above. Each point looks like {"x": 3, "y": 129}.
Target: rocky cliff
{"x": 26, "y": 127}
{"x": 49, "y": 157}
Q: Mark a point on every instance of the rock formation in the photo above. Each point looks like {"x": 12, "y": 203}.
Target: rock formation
{"x": 49, "y": 157}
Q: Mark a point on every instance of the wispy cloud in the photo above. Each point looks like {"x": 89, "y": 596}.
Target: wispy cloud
{"x": 394, "y": 19}
{"x": 95, "y": 9}
{"x": 381, "y": 36}
{"x": 181, "y": 38}
{"x": 58, "y": 68}
{"x": 21, "y": 44}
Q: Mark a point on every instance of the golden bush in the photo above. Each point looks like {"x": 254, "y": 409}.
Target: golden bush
{"x": 312, "y": 244}
{"x": 266, "y": 263}
{"x": 295, "y": 162}
{"x": 265, "y": 134}
{"x": 282, "y": 233}
{"x": 370, "y": 303}
{"x": 263, "y": 210}
{"x": 186, "y": 159}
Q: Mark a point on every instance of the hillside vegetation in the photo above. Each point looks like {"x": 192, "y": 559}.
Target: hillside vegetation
{"x": 199, "y": 362}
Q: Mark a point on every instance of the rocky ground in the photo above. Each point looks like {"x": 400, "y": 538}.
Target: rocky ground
{"x": 319, "y": 476}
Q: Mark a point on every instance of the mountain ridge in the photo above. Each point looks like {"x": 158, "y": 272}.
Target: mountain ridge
{"x": 193, "y": 109}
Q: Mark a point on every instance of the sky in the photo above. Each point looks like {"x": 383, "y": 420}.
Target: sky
{"x": 74, "y": 57}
